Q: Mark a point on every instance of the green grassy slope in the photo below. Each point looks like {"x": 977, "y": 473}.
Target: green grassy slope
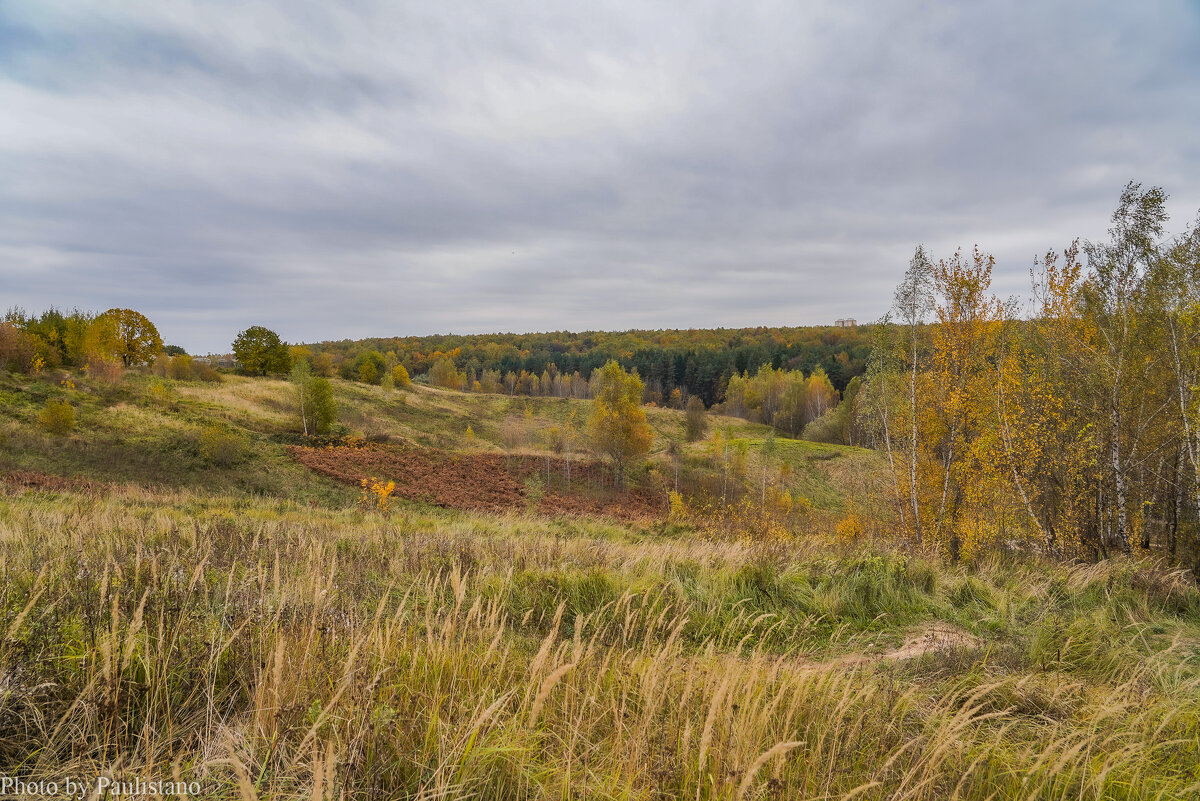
{"x": 150, "y": 431}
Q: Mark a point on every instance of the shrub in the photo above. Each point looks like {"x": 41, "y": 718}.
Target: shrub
{"x": 159, "y": 394}
{"x": 535, "y": 489}
{"x": 376, "y": 493}
{"x": 57, "y": 417}
{"x": 206, "y": 372}
{"x": 222, "y": 446}
{"x": 400, "y": 376}
{"x": 849, "y": 528}
{"x": 103, "y": 371}
{"x": 314, "y": 396}
{"x": 181, "y": 368}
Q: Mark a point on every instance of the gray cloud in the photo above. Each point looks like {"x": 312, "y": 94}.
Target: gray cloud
{"x": 372, "y": 168}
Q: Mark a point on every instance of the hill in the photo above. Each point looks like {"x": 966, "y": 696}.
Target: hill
{"x": 186, "y": 600}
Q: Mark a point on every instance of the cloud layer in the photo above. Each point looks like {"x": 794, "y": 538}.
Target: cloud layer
{"x": 375, "y": 168}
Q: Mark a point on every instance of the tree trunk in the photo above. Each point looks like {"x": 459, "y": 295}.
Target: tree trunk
{"x": 912, "y": 453}
{"x": 1121, "y": 535}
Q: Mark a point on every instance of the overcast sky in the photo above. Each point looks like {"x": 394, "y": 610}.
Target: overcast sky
{"x": 356, "y": 169}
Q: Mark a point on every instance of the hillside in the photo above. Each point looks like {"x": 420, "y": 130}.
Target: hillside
{"x": 185, "y": 600}
{"x": 151, "y": 432}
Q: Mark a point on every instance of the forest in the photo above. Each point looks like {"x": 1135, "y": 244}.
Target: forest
{"x": 696, "y": 362}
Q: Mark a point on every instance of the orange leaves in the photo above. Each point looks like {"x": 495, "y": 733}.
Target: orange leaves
{"x": 377, "y": 493}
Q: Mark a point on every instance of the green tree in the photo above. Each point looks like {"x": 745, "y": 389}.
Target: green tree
{"x": 324, "y": 409}
{"x": 260, "y": 351}
{"x": 368, "y": 367}
{"x": 314, "y": 399}
{"x": 618, "y": 427}
{"x": 132, "y": 338}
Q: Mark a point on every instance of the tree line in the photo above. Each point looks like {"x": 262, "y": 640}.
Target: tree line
{"x": 1075, "y": 426}
{"x": 696, "y": 362}
{"x": 102, "y": 345}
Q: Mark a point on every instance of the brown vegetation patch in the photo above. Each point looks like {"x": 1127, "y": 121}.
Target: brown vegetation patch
{"x": 31, "y": 479}
{"x": 486, "y": 482}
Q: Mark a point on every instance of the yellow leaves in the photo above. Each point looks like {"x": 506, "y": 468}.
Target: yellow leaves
{"x": 678, "y": 508}
{"x": 618, "y": 426}
{"x": 849, "y": 528}
{"x": 377, "y": 493}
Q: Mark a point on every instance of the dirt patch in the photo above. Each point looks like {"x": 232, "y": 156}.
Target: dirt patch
{"x": 31, "y": 479}
{"x": 936, "y": 638}
{"x": 940, "y": 637}
{"x": 485, "y": 482}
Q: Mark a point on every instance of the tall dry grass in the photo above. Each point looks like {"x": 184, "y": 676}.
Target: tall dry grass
{"x": 264, "y": 649}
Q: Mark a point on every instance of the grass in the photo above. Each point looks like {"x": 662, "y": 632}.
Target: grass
{"x": 252, "y": 629}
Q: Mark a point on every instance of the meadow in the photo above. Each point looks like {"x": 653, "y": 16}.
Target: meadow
{"x": 184, "y": 599}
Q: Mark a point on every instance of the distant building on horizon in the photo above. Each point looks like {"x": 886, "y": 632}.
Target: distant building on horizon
{"x": 848, "y": 322}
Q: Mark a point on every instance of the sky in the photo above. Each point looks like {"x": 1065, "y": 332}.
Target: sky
{"x": 360, "y": 168}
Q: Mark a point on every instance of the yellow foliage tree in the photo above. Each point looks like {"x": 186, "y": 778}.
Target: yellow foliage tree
{"x": 124, "y": 334}
{"x": 618, "y": 427}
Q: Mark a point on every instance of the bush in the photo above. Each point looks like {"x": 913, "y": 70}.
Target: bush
{"x": 103, "y": 371}
{"x": 159, "y": 394}
{"x": 57, "y": 417}
{"x": 535, "y": 489}
{"x": 206, "y": 372}
{"x": 181, "y": 368}
{"x": 222, "y": 446}
{"x": 400, "y": 376}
